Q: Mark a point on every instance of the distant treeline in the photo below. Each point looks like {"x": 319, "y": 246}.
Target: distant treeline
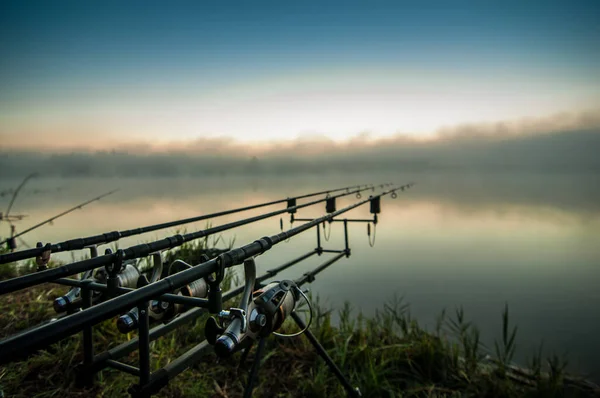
{"x": 571, "y": 151}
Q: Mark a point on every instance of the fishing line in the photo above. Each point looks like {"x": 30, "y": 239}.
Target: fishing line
{"x": 309, "y": 319}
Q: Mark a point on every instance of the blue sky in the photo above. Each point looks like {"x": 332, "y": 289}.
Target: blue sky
{"x": 279, "y": 70}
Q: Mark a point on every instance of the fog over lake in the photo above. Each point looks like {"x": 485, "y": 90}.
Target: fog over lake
{"x": 471, "y": 239}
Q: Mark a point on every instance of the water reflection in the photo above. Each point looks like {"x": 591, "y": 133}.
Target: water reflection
{"x": 476, "y": 241}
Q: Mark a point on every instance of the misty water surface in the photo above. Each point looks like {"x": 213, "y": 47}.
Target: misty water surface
{"x": 471, "y": 240}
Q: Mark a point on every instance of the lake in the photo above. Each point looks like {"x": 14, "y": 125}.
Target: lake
{"x": 471, "y": 240}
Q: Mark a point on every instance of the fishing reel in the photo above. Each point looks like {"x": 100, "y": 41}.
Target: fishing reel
{"x": 125, "y": 275}
{"x": 163, "y": 311}
{"x": 71, "y": 302}
{"x": 257, "y": 316}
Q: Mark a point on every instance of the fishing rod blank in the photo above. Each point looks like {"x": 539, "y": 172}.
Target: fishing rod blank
{"x": 18, "y": 346}
{"x": 80, "y": 243}
{"x": 12, "y": 200}
{"x": 142, "y": 250}
{"x": 40, "y": 250}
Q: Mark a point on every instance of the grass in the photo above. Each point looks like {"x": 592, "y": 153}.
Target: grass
{"x": 387, "y": 355}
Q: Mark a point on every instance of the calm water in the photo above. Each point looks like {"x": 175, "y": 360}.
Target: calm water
{"x": 476, "y": 241}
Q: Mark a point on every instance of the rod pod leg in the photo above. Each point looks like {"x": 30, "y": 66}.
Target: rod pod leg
{"x": 85, "y": 376}
{"x": 352, "y": 391}
{"x": 137, "y": 390}
{"x": 254, "y": 369}
{"x": 245, "y": 354}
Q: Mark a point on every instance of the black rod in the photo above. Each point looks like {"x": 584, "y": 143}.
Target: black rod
{"x": 100, "y": 287}
{"x": 80, "y": 243}
{"x": 319, "y": 248}
{"x": 185, "y": 300}
{"x": 310, "y": 276}
{"x": 144, "y": 343}
{"x": 183, "y": 362}
{"x": 186, "y": 360}
{"x": 88, "y": 344}
{"x": 68, "y": 282}
{"x": 301, "y": 281}
{"x": 18, "y": 346}
{"x": 12, "y": 200}
{"x": 88, "y": 340}
{"x": 130, "y": 346}
{"x": 346, "y": 235}
{"x": 42, "y": 249}
{"x": 161, "y": 377}
{"x": 349, "y": 220}
{"x": 142, "y": 250}
{"x": 354, "y": 220}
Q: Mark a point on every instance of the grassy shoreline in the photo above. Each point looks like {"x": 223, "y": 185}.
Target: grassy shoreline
{"x": 387, "y": 355}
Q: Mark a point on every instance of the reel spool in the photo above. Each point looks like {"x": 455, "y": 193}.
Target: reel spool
{"x": 127, "y": 277}
{"x": 161, "y": 310}
{"x": 71, "y": 302}
{"x": 274, "y": 303}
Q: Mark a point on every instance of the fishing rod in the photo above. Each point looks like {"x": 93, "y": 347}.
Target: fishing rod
{"x": 114, "y": 260}
{"x": 12, "y": 200}
{"x": 81, "y": 243}
{"x": 10, "y": 240}
{"x": 18, "y": 346}
{"x": 9, "y": 218}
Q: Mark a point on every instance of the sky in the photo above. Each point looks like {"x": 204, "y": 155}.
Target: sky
{"x": 96, "y": 74}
